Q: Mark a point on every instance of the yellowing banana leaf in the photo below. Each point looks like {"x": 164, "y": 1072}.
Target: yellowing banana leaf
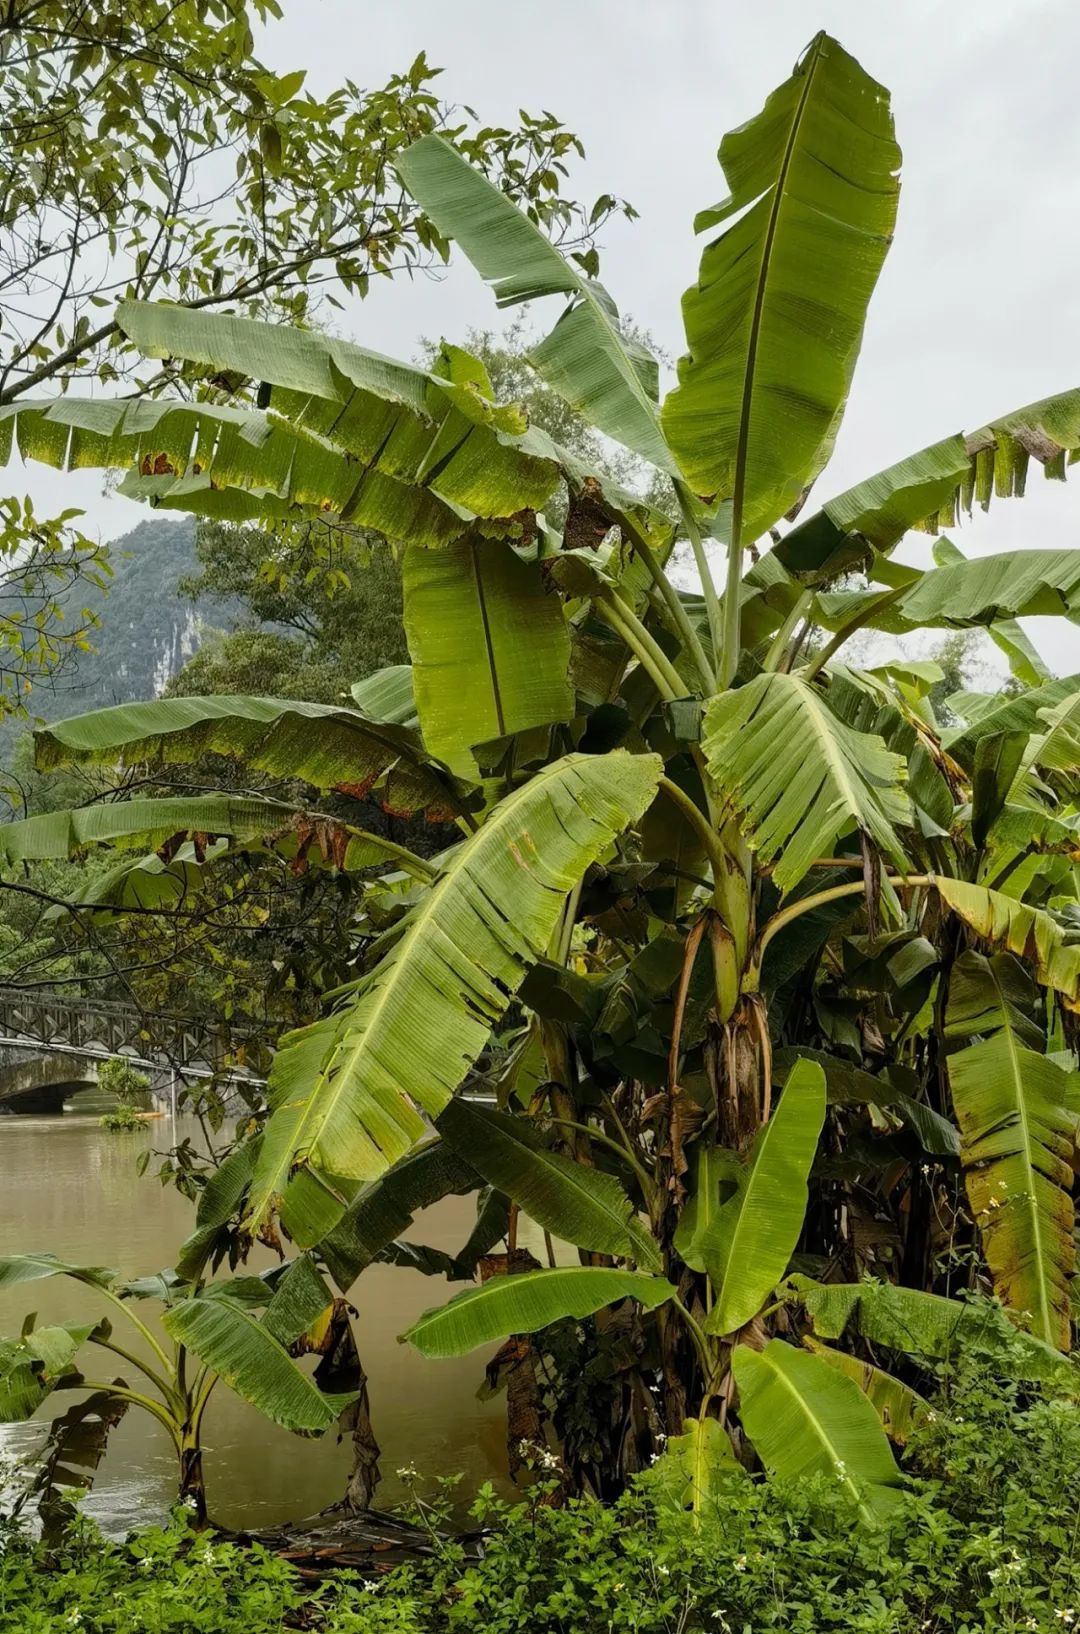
{"x": 694, "y": 1467}
{"x": 775, "y": 320}
{"x": 345, "y": 1093}
{"x": 1016, "y": 1144}
{"x": 900, "y": 1408}
{"x": 1031, "y": 933}
{"x": 490, "y": 647}
{"x": 805, "y": 1418}
{"x": 527, "y": 1303}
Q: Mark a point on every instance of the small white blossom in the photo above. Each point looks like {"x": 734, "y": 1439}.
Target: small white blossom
{"x": 408, "y": 1472}
{"x": 146, "y": 1563}
{"x": 740, "y": 1564}
{"x": 191, "y": 1502}
{"x": 74, "y": 1617}
{"x": 1065, "y": 1614}
{"x": 665, "y": 1571}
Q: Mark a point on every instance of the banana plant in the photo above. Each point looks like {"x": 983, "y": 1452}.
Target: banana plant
{"x": 245, "y": 1332}
{"x": 770, "y": 971}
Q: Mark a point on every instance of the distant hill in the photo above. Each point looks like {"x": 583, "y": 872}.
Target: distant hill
{"x": 147, "y": 631}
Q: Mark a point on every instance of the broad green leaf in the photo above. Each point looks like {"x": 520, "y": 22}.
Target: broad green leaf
{"x": 235, "y": 1344}
{"x": 695, "y": 1466}
{"x": 383, "y": 1210}
{"x": 344, "y": 1094}
{"x": 997, "y": 761}
{"x": 874, "y": 515}
{"x": 985, "y": 716}
{"x": 775, "y": 320}
{"x": 414, "y": 440}
{"x": 799, "y": 776}
{"x": 490, "y": 647}
{"x": 749, "y": 1243}
{"x": 31, "y": 1368}
{"x": 325, "y": 745}
{"x": 300, "y": 1298}
{"x": 928, "y": 490}
{"x": 805, "y": 1418}
{"x": 527, "y": 1303}
{"x": 585, "y": 358}
{"x": 932, "y": 1326}
{"x": 713, "y": 1175}
{"x": 138, "y": 822}
{"x": 1016, "y": 1145}
{"x": 900, "y": 1408}
{"x": 387, "y": 695}
{"x": 219, "y": 1200}
{"x": 580, "y": 1205}
{"x": 1025, "y": 663}
{"x": 849, "y": 1085}
{"x": 16, "y": 1268}
{"x": 1031, "y": 933}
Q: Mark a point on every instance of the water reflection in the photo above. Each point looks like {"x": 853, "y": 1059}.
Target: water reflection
{"x": 70, "y": 1188}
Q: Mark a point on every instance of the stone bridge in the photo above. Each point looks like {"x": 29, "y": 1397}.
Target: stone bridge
{"x": 51, "y": 1049}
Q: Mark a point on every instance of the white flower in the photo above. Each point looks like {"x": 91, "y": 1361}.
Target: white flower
{"x": 740, "y": 1564}
{"x": 146, "y": 1562}
{"x": 408, "y": 1472}
{"x": 665, "y": 1571}
{"x": 74, "y": 1617}
{"x": 208, "y": 1555}
{"x": 191, "y": 1502}
{"x": 1065, "y": 1614}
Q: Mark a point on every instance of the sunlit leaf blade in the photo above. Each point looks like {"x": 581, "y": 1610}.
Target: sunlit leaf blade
{"x": 527, "y": 1303}
{"x": 490, "y": 646}
{"x": 326, "y": 745}
{"x": 16, "y": 1268}
{"x": 695, "y": 1466}
{"x": 345, "y": 1093}
{"x": 900, "y": 1408}
{"x": 805, "y": 1418}
{"x": 1016, "y": 1144}
{"x": 230, "y": 1339}
{"x": 585, "y": 358}
{"x": 799, "y": 776}
{"x": 387, "y": 695}
{"x": 750, "y": 1241}
{"x": 405, "y": 431}
{"x": 775, "y": 320}
{"x": 581, "y": 1205}
{"x": 1031, "y": 933}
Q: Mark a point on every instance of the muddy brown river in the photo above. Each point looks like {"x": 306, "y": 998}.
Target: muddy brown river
{"x": 69, "y": 1187}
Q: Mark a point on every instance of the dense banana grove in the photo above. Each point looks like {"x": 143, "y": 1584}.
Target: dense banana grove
{"x": 768, "y": 975}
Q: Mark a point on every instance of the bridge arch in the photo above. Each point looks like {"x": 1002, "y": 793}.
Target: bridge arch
{"x": 45, "y": 1082}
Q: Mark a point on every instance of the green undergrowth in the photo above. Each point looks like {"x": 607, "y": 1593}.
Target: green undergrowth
{"x": 984, "y": 1539}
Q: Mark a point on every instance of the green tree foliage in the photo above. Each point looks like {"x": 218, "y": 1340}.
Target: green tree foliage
{"x": 731, "y": 916}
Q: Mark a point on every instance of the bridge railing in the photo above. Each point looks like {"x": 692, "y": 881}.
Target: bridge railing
{"x": 117, "y": 1028}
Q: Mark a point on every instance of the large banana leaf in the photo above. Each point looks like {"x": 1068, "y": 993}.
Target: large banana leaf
{"x": 1016, "y": 1142}
{"x": 747, "y": 1245}
{"x": 805, "y": 1418}
{"x": 775, "y": 320}
{"x": 490, "y": 646}
{"x": 32, "y": 1367}
{"x": 1024, "y": 661}
{"x": 931, "y": 1326}
{"x": 232, "y": 1341}
{"x": 1017, "y": 584}
{"x": 383, "y": 1210}
{"x": 1031, "y": 933}
{"x": 900, "y": 1408}
{"x": 527, "y": 1303}
{"x": 140, "y": 822}
{"x": 413, "y": 439}
{"x": 326, "y": 745}
{"x": 987, "y": 717}
{"x": 229, "y": 463}
{"x": 607, "y": 379}
{"x": 582, "y": 1206}
{"x": 928, "y": 490}
{"x": 695, "y": 1466}
{"x": 799, "y": 776}
{"x": 16, "y": 1268}
{"x": 344, "y": 1093}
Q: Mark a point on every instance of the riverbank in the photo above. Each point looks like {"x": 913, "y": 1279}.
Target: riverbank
{"x": 982, "y": 1540}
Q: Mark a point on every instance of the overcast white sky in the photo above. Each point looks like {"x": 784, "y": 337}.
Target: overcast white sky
{"x": 977, "y": 310}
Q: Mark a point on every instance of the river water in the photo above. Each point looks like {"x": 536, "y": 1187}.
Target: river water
{"x": 70, "y": 1188}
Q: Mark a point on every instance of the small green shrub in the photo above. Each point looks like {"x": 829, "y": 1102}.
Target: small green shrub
{"x": 124, "y": 1117}
{"x": 984, "y": 1542}
{"x": 130, "y": 1086}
